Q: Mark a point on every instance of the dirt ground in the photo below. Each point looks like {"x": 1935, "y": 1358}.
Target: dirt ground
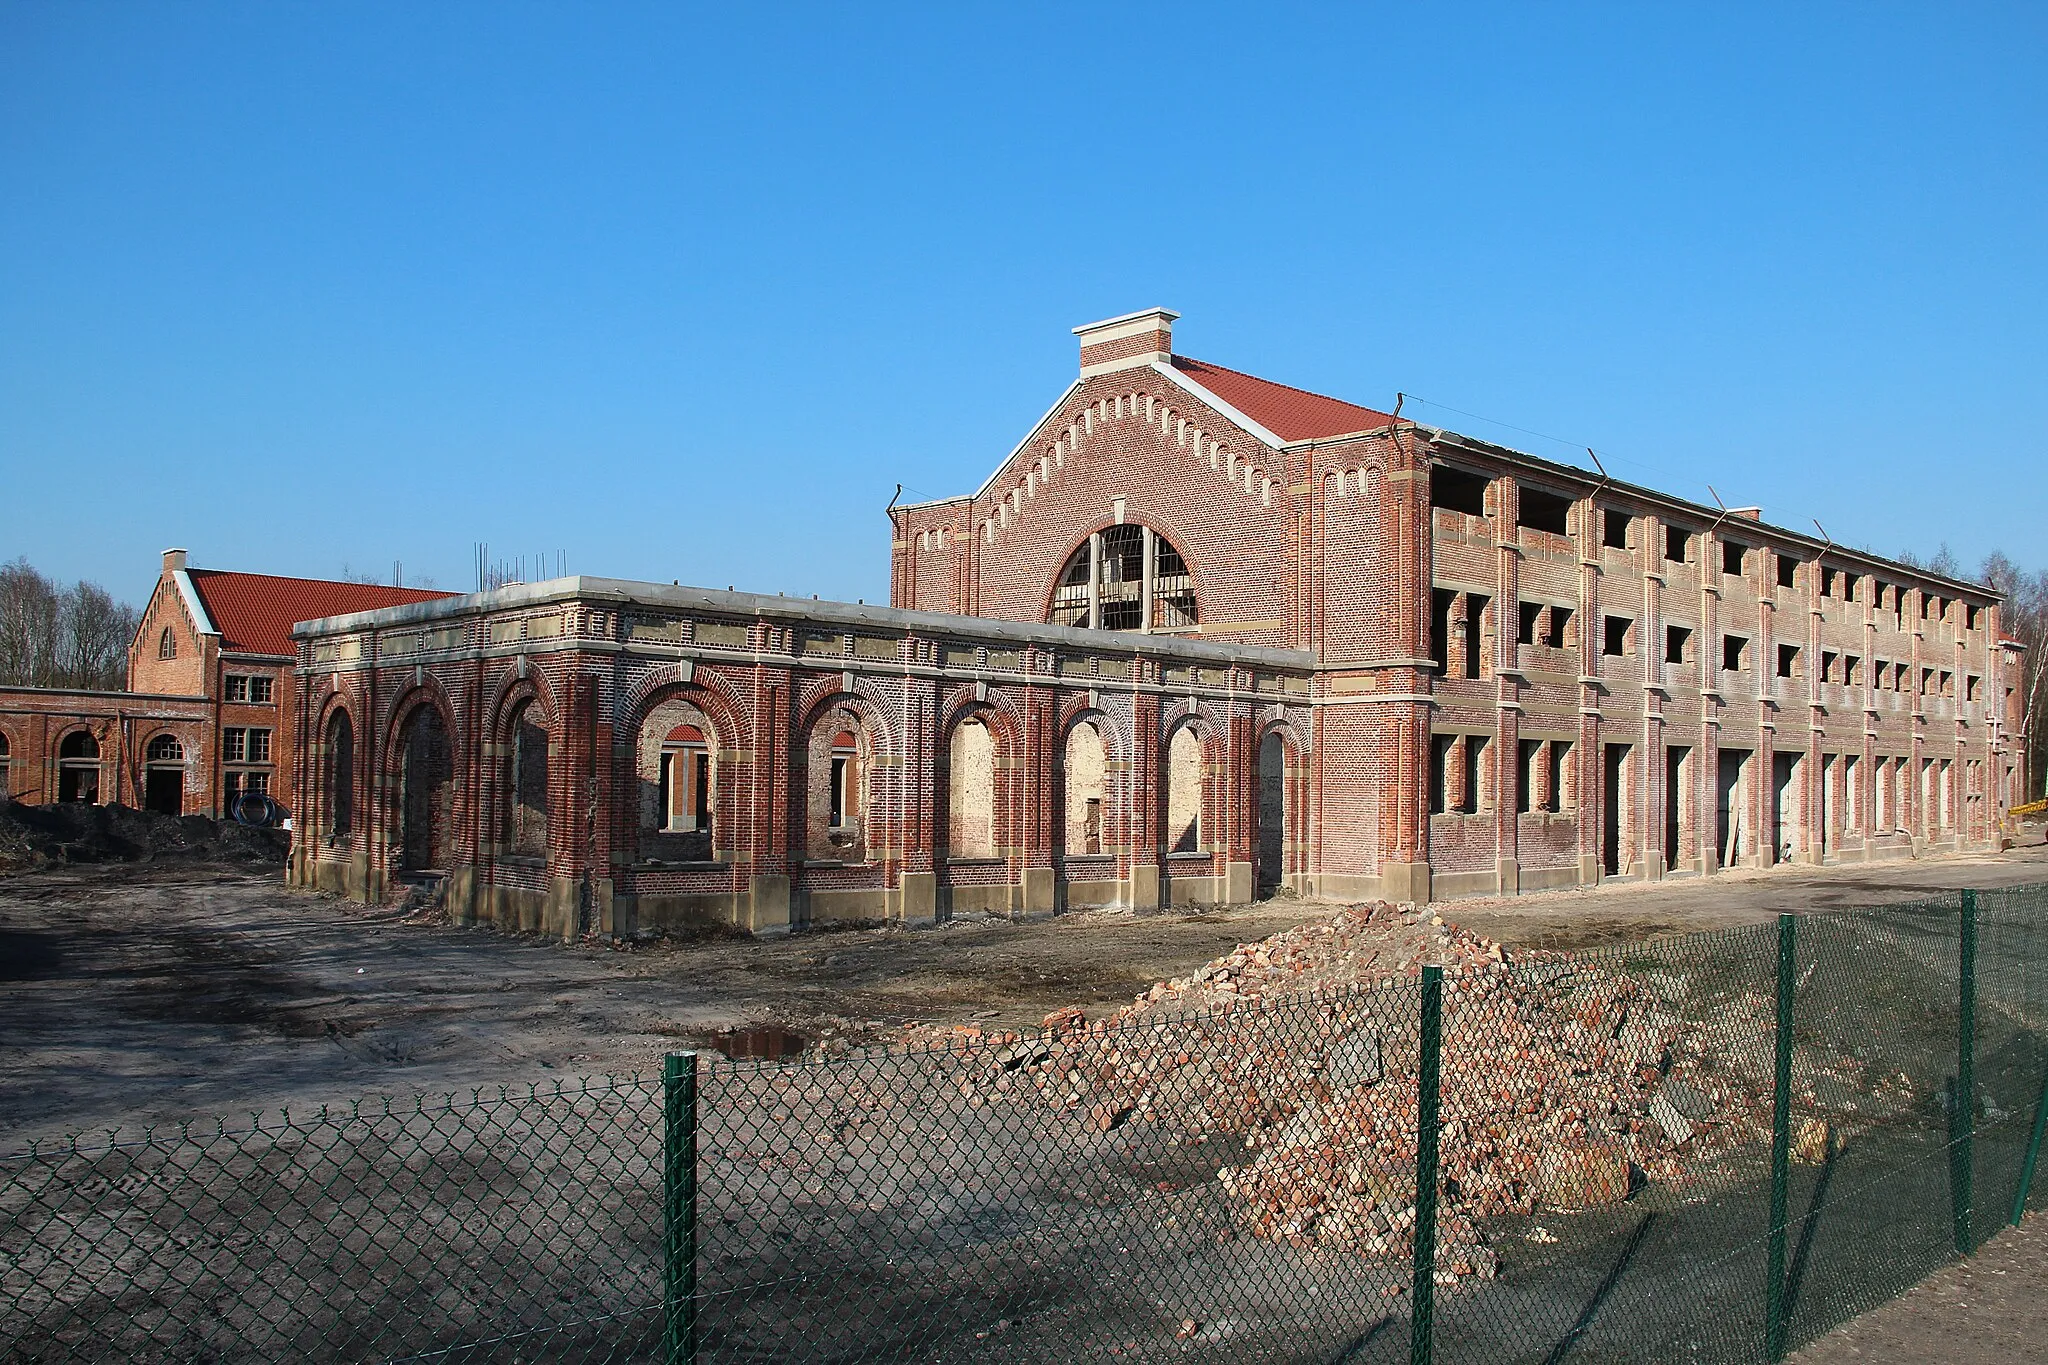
{"x": 144, "y": 993}
{"x": 1990, "y": 1309}
{"x": 156, "y": 992}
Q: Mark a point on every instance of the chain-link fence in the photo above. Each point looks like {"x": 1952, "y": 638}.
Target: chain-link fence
{"x": 1615, "y": 1155}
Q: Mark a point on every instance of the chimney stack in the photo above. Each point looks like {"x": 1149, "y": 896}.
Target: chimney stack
{"x": 1127, "y": 342}
{"x": 173, "y": 560}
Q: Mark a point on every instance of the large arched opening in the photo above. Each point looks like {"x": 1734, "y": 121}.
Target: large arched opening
{"x": 78, "y": 768}
{"x": 338, "y": 777}
{"x": 1125, "y": 577}
{"x": 163, "y": 776}
{"x": 426, "y": 792}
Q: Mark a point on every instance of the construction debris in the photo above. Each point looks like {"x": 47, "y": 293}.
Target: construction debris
{"x": 1565, "y": 1086}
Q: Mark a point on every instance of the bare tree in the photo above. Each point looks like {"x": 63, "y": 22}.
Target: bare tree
{"x": 31, "y": 620}
{"x": 2025, "y": 618}
{"x": 57, "y": 636}
{"x": 96, "y": 632}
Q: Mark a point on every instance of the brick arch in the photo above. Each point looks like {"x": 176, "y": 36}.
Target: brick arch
{"x": 1005, "y": 723}
{"x": 1212, "y": 727}
{"x": 514, "y": 687}
{"x": 493, "y": 798}
{"x": 958, "y": 704}
{"x": 826, "y": 693}
{"x": 726, "y": 710}
{"x": 390, "y": 811}
{"x": 810, "y": 786}
{"x": 1177, "y": 540}
{"x": 313, "y": 778}
{"x": 1116, "y": 727}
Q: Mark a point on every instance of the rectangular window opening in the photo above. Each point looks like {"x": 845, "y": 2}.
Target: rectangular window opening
{"x": 1456, "y": 490}
{"x": 1614, "y": 640}
{"x": 1732, "y": 553}
{"x": 1614, "y": 529}
{"x": 1788, "y": 661}
{"x": 1788, "y": 571}
{"x": 1541, "y": 511}
{"x": 1560, "y": 625}
{"x": 1677, "y": 544}
{"x": 1531, "y": 612}
{"x": 1733, "y": 647}
{"x": 1677, "y": 644}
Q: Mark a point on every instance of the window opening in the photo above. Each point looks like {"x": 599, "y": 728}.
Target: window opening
{"x": 527, "y": 783}
{"x": 1184, "y": 791}
{"x": 1733, "y": 553}
{"x": 1732, "y": 649}
{"x": 1788, "y": 661}
{"x": 1615, "y": 640}
{"x": 971, "y": 787}
{"x": 1560, "y": 623}
{"x": 1531, "y": 613}
{"x": 1614, "y": 529}
{"x": 1125, "y": 577}
{"x": 1456, "y": 490}
{"x": 1788, "y": 571}
{"x": 341, "y": 774}
{"x": 1541, "y": 511}
{"x": 1677, "y": 544}
{"x": 1677, "y": 640}
{"x": 167, "y": 645}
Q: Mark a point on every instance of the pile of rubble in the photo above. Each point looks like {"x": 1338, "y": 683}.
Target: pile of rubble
{"x": 37, "y": 836}
{"x": 1564, "y": 1085}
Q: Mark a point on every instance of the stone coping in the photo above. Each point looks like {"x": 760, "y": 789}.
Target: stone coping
{"x": 616, "y": 592}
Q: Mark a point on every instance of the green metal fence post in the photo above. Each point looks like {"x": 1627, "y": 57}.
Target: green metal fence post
{"x": 1966, "y": 1073}
{"x": 679, "y": 1208}
{"x": 2019, "y": 1198}
{"x": 1781, "y": 1144}
{"x": 1422, "y": 1322}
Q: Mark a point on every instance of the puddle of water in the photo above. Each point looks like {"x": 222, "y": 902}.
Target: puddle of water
{"x": 771, "y": 1042}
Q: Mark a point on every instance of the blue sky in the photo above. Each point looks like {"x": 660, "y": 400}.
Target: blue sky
{"x": 683, "y": 294}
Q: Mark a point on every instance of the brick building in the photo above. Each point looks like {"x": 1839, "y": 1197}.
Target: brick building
{"x": 203, "y": 721}
{"x": 1199, "y": 635}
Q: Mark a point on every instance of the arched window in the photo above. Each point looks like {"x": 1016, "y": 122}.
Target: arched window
{"x": 6, "y": 788}
{"x": 1084, "y": 769}
{"x": 1184, "y": 791}
{"x": 971, "y": 791}
{"x": 526, "y": 783}
{"x": 1125, "y": 577}
{"x": 838, "y": 760}
{"x": 163, "y": 776}
{"x": 341, "y": 775}
{"x": 676, "y": 759}
{"x": 78, "y": 768}
{"x": 167, "y": 645}
{"x": 426, "y": 791}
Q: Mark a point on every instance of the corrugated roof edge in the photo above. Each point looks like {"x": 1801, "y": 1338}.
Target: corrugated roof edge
{"x": 677, "y": 598}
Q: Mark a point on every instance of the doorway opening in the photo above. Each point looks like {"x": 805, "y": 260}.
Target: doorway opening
{"x": 426, "y": 793}
{"x": 1614, "y": 802}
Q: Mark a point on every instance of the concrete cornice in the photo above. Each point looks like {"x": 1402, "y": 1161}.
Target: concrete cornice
{"x": 617, "y": 594}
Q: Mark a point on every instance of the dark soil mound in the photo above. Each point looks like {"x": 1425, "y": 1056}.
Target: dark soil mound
{"x": 35, "y": 836}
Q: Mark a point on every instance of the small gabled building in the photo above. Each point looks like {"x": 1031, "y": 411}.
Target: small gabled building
{"x": 202, "y": 724}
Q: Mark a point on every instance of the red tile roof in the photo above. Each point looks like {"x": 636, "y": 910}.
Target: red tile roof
{"x": 255, "y": 612}
{"x": 1291, "y": 414}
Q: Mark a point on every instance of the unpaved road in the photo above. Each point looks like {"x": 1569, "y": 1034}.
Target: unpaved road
{"x": 146, "y": 993}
